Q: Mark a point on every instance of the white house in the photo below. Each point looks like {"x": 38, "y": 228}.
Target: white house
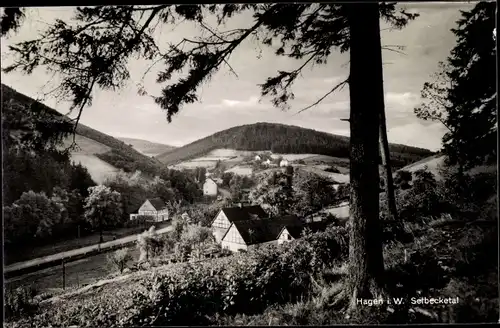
{"x": 283, "y": 163}
{"x": 257, "y": 158}
{"x": 267, "y": 162}
{"x": 245, "y": 234}
{"x": 154, "y": 208}
{"x": 228, "y": 215}
{"x": 210, "y": 188}
{"x": 294, "y": 230}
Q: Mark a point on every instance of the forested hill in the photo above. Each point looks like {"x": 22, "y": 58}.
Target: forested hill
{"x": 280, "y": 138}
{"x": 147, "y": 147}
{"x": 120, "y": 155}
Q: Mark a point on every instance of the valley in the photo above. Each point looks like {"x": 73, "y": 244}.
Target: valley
{"x": 147, "y": 148}
{"x": 276, "y": 206}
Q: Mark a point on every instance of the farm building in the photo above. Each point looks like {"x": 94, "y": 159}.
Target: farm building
{"x": 244, "y": 234}
{"x": 228, "y": 215}
{"x": 210, "y": 188}
{"x": 257, "y": 158}
{"x": 283, "y": 163}
{"x": 267, "y": 162}
{"x": 291, "y": 232}
{"x": 154, "y": 208}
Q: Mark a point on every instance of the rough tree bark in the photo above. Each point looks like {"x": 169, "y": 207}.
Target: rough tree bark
{"x": 366, "y": 264}
{"x": 385, "y": 155}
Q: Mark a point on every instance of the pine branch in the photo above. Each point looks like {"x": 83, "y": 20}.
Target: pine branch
{"x": 317, "y": 102}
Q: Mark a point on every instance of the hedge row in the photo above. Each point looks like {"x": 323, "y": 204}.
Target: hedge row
{"x": 189, "y": 293}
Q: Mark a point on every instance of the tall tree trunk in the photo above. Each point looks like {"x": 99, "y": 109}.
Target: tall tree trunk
{"x": 366, "y": 264}
{"x": 386, "y": 163}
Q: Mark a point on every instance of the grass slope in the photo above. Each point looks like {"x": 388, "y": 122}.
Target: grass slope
{"x": 96, "y": 149}
{"x": 280, "y": 138}
{"x": 147, "y": 147}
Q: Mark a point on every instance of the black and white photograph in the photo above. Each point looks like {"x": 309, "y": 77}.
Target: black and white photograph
{"x": 249, "y": 164}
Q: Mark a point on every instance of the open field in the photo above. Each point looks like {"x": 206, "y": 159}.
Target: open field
{"x": 75, "y": 243}
{"x": 293, "y": 157}
{"x": 238, "y": 158}
{"x": 209, "y": 160}
{"x": 324, "y": 159}
{"x": 194, "y": 164}
{"x": 77, "y": 273}
{"x": 337, "y": 177}
{"x": 241, "y": 170}
{"x": 341, "y": 211}
{"x": 146, "y": 147}
{"x": 432, "y": 164}
{"x": 21, "y": 268}
{"x": 98, "y": 169}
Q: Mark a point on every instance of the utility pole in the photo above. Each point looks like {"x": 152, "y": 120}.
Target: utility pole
{"x": 63, "y": 274}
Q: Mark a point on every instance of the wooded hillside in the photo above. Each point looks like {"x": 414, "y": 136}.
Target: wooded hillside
{"x": 280, "y": 138}
{"x": 121, "y": 156}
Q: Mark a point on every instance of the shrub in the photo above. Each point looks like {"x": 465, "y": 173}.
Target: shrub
{"x": 149, "y": 244}
{"x": 120, "y": 258}
{"x": 20, "y": 302}
{"x": 423, "y": 199}
{"x": 402, "y": 176}
{"x": 469, "y": 193}
{"x": 189, "y": 293}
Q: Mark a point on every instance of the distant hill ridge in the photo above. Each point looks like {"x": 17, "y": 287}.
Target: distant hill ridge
{"x": 120, "y": 154}
{"x": 281, "y": 138}
{"x": 146, "y": 147}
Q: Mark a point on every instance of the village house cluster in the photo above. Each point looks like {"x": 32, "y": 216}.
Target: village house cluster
{"x": 242, "y": 227}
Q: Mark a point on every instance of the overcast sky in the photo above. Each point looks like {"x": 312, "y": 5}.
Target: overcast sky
{"x": 228, "y": 100}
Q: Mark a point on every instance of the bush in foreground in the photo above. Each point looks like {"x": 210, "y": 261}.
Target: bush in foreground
{"x": 19, "y": 302}
{"x": 189, "y": 293}
{"x": 119, "y": 259}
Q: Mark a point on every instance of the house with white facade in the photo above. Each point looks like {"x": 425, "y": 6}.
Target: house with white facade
{"x": 257, "y": 158}
{"x": 292, "y": 231}
{"x": 283, "y": 163}
{"x": 154, "y": 208}
{"x": 245, "y": 234}
{"x": 267, "y": 162}
{"x": 228, "y": 215}
{"x": 210, "y": 188}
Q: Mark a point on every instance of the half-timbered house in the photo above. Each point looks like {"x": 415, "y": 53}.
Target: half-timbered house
{"x": 227, "y": 215}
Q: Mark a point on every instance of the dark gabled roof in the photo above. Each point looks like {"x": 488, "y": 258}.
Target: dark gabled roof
{"x": 157, "y": 203}
{"x": 210, "y": 179}
{"x": 244, "y": 213}
{"x": 296, "y": 230}
{"x": 258, "y": 231}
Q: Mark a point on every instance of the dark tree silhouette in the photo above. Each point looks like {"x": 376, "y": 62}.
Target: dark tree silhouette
{"x": 463, "y": 94}
{"x": 94, "y": 52}
{"x": 366, "y": 264}
{"x": 11, "y": 20}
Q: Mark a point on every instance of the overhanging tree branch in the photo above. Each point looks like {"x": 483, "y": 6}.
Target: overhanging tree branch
{"x": 335, "y": 88}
